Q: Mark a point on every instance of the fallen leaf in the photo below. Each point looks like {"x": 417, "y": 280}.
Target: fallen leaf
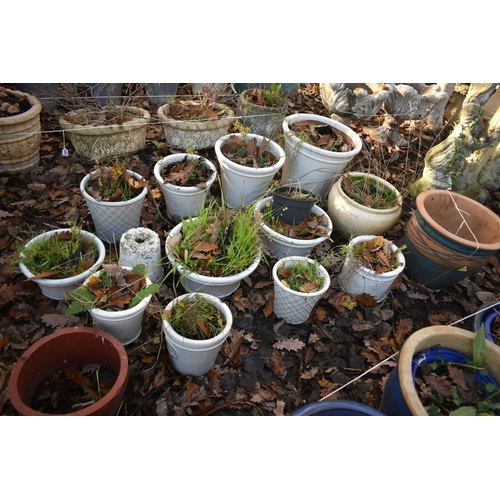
{"x": 289, "y": 344}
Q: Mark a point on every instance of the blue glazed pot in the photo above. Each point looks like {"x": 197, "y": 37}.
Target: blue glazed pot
{"x": 442, "y": 249}
{"x": 486, "y": 314}
{"x": 400, "y": 396}
{"x": 337, "y": 409}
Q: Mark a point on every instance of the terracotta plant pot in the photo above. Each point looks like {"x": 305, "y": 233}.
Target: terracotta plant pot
{"x": 449, "y": 237}
{"x": 64, "y": 348}
{"x": 20, "y": 138}
{"x": 400, "y": 394}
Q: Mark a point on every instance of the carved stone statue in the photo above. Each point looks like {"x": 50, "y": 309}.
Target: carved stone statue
{"x": 468, "y": 160}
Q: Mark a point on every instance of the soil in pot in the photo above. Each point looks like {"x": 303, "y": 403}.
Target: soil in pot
{"x": 12, "y": 104}
{"x": 100, "y": 117}
{"x": 248, "y": 152}
{"x": 190, "y": 109}
{"x": 322, "y": 136}
{"x": 190, "y": 171}
{"x": 73, "y": 388}
{"x": 369, "y": 192}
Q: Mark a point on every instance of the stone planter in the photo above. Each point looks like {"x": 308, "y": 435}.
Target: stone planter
{"x": 62, "y": 349}
{"x": 197, "y": 134}
{"x": 350, "y": 218}
{"x": 448, "y": 238}
{"x": 20, "y": 138}
{"x": 106, "y": 141}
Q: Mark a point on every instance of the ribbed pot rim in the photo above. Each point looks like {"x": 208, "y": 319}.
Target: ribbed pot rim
{"x": 168, "y": 160}
{"x": 423, "y": 198}
{"x": 364, "y": 208}
{"x": 36, "y": 109}
{"x": 91, "y": 199}
{"x": 292, "y": 138}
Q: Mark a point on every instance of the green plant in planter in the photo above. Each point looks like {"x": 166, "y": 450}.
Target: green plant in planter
{"x": 219, "y": 241}
{"x": 195, "y": 318}
{"x": 113, "y": 183}
{"x": 273, "y": 96}
{"x": 61, "y": 255}
{"x": 369, "y": 192}
{"x": 452, "y": 388}
{"x": 302, "y": 276}
{"x": 375, "y": 254}
{"x": 114, "y": 288}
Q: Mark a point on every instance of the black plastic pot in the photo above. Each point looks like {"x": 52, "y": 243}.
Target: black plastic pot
{"x": 291, "y": 210}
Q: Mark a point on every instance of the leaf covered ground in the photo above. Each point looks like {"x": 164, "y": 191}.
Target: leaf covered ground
{"x": 266, "y": 367}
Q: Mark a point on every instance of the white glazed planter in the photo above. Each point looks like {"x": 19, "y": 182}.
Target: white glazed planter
{"x": 198, "y": 134}
{"x": 353, "y": 219}
{"x": 219, "y": 287}
{"x": 280, "y": 246}
{"x": 242, "y": 185}
{"x": 196, "y": 357}
{"x": 356, "y": 279}
{"x": 113, "y": 218}
{"x": 125, "y": 325}
{"x": 100, "y": 142}
{"x": 58, "y": 288}
{"x": 183, "y": 201}
{"x": 312, "y": 168}
{"x": 295, "y": 307}
{"x": 141, "y": 245}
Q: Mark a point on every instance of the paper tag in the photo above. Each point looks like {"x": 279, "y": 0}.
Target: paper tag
{"x": 64, "y": 152}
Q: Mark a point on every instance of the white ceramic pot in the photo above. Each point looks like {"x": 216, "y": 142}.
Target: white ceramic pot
{"x": 99, "y": 142}
{"x": 280, "y": 246}
{"x": 219, "y": 287}
{"x": 356, "y": 279}
{"x": 295, "y": 307}
{"x": 243, "y": 185}
{"x": 113, "y": 218}
{"x": 350, "y": 218}
{"x": 312, "y": 168}
{"x": 141, "y": 245}
{"x": 125, "y": 325}
{"x": 183, "y": 201}
{"x": 196, "y": 357}
{"x": 198, "y": 134}
{"x": 58, "y": 288}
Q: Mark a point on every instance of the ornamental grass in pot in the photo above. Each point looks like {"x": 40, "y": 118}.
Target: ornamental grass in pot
{"x": 116, "y": 297}
{"x": 215, "y": 250}
{"x": 362, "y": 203}
{"x": 195, "y": 327}
{"x": 115, "y": 197}
{"x": 60, "y": 260}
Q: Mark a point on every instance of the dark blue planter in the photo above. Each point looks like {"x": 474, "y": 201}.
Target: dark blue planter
{"x": 393, "y": 402}
{"x": 440, "y": 248}
{"x": 486, "y": 315}
{"x": 336, "y": 409}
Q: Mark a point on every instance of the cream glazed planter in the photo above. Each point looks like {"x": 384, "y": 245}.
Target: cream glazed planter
{"x": 356, "y": 279}
{"x": 183, "y": 201}
{"x": 125, "y": 325}
{"x": 242, "y": 185}
{"x": 280, "y": 246}
{"x": 101, "y": 142}
{"x": 350, "y": 218}
{"x": 312, "y": 168}
{"x": 191, "y": 356}
{"x": 113, "y": 218}
{"x": 58, "y": 288}
{"x": 219, "y": 287}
